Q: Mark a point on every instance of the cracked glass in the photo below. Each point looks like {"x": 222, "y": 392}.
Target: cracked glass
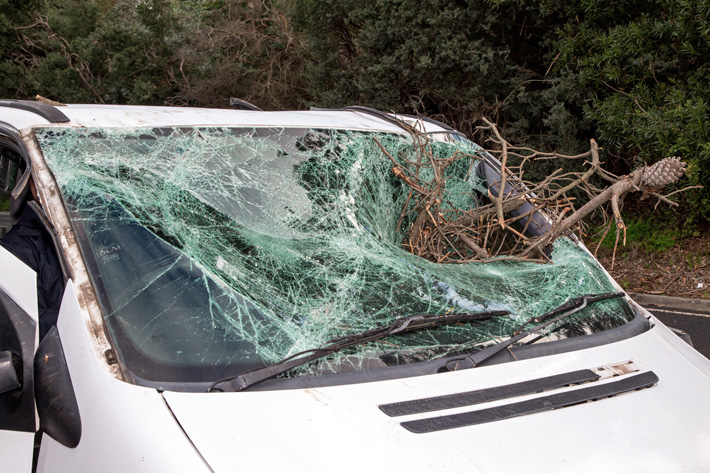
{"x": 217, "y": 250}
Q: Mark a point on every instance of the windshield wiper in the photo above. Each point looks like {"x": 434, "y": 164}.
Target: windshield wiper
{"x": 407, "y": 324}
{"x": 570, "y": 307}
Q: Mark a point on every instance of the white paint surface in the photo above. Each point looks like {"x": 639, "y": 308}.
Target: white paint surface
{"x": 16, "y": 451}
{"x": 138, "y": 116}
{"x": 19, "y": 282}
{"x": 125, "y": 428}
{"x": 661, "y": 429}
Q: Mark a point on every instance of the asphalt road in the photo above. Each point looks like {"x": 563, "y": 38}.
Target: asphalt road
{"x": 689, "y": 315}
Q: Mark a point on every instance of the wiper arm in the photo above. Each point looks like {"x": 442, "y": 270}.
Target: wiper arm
{"x": 570, "y": 307}
{"x": 407, "y": 324}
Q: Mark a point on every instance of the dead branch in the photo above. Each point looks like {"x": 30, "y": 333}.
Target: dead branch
{"x": 74, "y": 61}
{"x": 503, "y": 229}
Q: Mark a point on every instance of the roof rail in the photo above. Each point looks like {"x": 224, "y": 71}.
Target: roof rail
{"x": 44, "y": 110}
{"x": 370, "y": 111}
{"x": 392, "y": 119}
{"x": 432, "y": 121}
{"x": 239, "y": 104}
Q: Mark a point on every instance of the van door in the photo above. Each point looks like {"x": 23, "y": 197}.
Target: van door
{"x": 19, "y": 334}
{"x": 18, "y": 341}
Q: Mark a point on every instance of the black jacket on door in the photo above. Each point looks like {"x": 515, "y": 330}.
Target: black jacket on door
{"x": 30, "y": 242}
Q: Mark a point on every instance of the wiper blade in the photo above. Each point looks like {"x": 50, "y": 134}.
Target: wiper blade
{"x": 407, "y": 324}
{"x": 570, "y": 307}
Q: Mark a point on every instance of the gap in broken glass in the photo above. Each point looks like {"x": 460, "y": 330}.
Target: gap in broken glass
{"x": 216, "y": 250}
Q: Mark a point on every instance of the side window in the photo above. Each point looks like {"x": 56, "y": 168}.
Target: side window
{"x": 9, "y": 169}
{"x": 26, "y": 232}
{"x": 4, "y": 217}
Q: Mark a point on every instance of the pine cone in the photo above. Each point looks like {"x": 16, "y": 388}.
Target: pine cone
{"x": 664, "y": 172}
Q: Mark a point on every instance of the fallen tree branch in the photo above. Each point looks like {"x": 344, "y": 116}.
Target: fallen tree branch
{"x": 523, "y": 219}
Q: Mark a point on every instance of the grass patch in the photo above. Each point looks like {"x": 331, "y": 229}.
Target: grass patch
{"x": 645, "y": 235}
{"x": 4, "y": 203}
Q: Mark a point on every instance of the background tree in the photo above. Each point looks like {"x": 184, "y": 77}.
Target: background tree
{"x": 645, "y": 66}
{"x": 239, "y": 49}
{"x": 100, "y": 51}
{"x": 455, "y": 61}
{"x": 552, "y": 74}
{"x": 12, "y": 14}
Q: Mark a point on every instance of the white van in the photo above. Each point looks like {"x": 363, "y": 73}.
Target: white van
{"x": 237, "y": 298}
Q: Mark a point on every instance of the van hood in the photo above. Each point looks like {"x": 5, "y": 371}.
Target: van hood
{"x": 658, "y": 426}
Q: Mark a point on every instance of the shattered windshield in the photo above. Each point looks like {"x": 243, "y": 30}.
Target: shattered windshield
{"x": 219, "y": 250}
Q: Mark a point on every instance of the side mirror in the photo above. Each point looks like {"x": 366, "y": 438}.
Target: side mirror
{"x": 56, "y": 402}
{"x": 8, "y": 372}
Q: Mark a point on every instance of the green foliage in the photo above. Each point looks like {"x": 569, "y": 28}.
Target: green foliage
{"x": 4, "y": 203}
{"x": 455, "y": 61}
{"x": 153, "y": 52}
{"x": 242, "y": 49}
{"x": 625, "y": 284}
{"x": 12, "y": 13}
{"x": 634, "y": 74}
{"x": 90, "y": 51}
{"x": 646, "y": 64}
{"x": 646, "y": 235}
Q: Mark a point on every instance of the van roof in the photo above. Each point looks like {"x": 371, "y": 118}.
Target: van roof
{"x": 27, "y": 114}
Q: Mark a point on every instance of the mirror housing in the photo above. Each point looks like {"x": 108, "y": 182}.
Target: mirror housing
{"x": 54, "y": 393}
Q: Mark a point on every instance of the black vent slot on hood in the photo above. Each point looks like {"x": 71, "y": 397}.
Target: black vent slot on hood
{"x": 532, "y": 406}
{"x": 490, "y": 394}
